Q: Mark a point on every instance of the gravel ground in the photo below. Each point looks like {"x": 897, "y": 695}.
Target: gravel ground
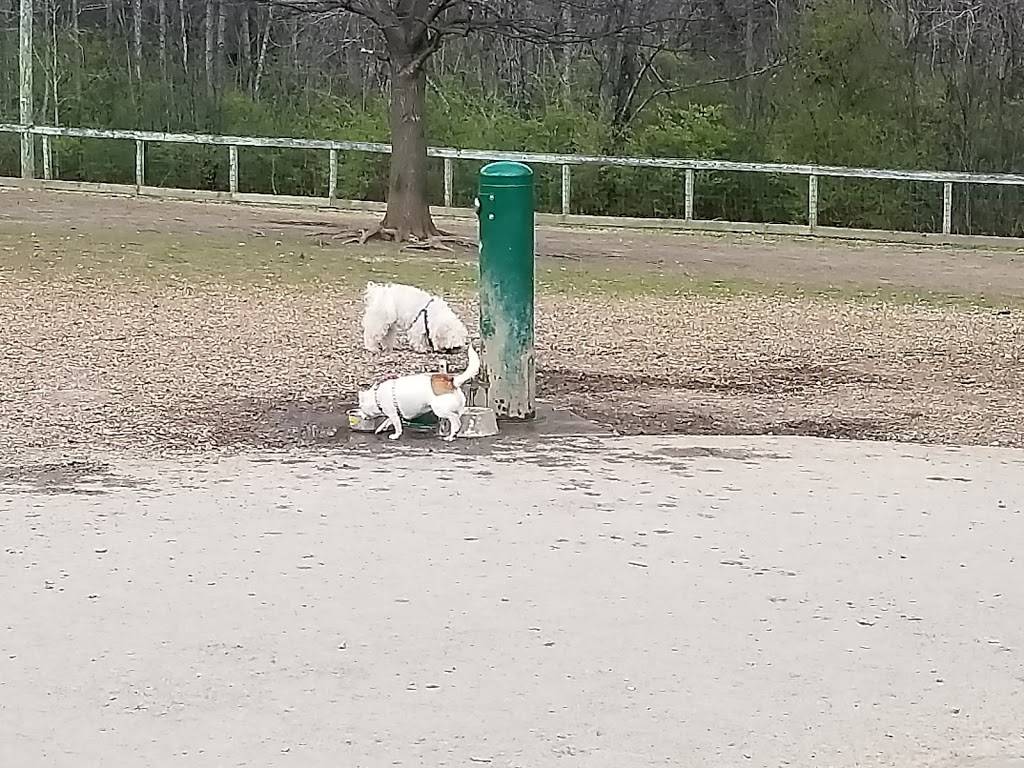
{"x": 188, "y": 367}
{"x": 171, "y": 326}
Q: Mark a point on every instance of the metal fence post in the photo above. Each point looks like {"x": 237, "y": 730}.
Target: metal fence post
{"x": 47, "y": 158}
{"x": 506, "y": 209}
{"x": 140, "y": 165}
{"x": 812, "y": 201}
{"x": 688, "y": 200}
{"x": 233, "y": 169}
{"x": 449, "y": 181}
{"x": 332, "y": 179}
{"x": 566, "y": 189}
{"x": 947, "y": 208}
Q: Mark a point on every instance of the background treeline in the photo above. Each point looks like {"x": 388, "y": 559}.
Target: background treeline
{"x": 923, "y": 84}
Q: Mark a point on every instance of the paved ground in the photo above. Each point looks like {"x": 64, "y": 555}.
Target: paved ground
{"x": 578, "y": 601}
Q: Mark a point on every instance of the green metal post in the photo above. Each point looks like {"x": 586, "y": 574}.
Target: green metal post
{"x": 505, "y": 208}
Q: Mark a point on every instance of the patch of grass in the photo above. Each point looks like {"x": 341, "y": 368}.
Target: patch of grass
{"x": 619, "y": 282}
{"x": 296, "y": 260}
{"x": 150, "y": 257}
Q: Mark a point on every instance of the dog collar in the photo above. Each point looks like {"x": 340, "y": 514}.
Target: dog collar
{"x": 426, "y": 323}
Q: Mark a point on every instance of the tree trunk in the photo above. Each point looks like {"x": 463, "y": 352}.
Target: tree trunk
{"x": 408, "y": 214}
{"x": 77, "y": 72}
{"x": 261, "y": 61}
{"x": 245, "y": 50}
{"x": 620, "y": 69}
{"x": 137, "y": 42}
{"x": 184, "y": 37}
{"x": 567, "y": 53}
{"x": 353, "y": 57}
{"x": 54, "y": 69}
{"x": 749, "y": 62}
{"x": 210, "y": 22}
{"x": 296, "y": 61}
{"x": 162, "y": 37}
{"x": 49, "y": 77}
{"x": 222, "y": 22}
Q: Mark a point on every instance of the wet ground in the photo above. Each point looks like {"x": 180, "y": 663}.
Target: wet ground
{"x": 575, "y": 600}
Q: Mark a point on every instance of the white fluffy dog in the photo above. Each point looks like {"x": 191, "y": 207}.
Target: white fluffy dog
{"x": 428, "y": 322}
{"x": 408, "y": 397}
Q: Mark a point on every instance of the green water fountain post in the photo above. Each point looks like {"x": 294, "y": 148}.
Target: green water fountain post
{"x": 505, "y": 207}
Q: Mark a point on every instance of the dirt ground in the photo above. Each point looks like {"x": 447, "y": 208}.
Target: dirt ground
{"x": 128, "y": 323}
{"x": 816, "y": 265}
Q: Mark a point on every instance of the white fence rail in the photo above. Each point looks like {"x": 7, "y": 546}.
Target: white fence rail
{"x": 449, "y": 155}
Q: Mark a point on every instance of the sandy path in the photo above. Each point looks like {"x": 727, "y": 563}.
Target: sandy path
{"x": 648, "y": 601}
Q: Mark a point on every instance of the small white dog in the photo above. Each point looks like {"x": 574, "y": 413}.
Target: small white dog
{"x": 410, "y": 396}
{"x": 428, "y": 321}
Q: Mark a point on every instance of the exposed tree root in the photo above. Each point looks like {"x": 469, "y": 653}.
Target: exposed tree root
{"x": 442, "y": 241}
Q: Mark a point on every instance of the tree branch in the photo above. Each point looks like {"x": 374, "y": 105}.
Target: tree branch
{"x": 365, "y": 8}
{"x": 667, "y": 91}
{"x": 428, "y": 20}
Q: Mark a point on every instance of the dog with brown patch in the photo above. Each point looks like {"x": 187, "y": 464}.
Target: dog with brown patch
{"x": 408, "y": 397}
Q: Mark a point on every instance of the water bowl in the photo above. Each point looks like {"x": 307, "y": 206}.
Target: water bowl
{"x": 476, "y": 422}
{"x": 360, "y": 422}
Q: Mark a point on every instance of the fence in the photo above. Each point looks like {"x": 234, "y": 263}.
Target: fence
{"x": 566, "y": 163}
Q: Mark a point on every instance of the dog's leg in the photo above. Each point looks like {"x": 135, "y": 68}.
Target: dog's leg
{"x": 397, "y": 421}
{"x": 454, "y": 425}
{"x": 392, "y": 421}
{"x": 378, "y": 324}
{"x": 417, "y": 339}
{"x": 389, "y": 339}
{"x": 372, "y": 337}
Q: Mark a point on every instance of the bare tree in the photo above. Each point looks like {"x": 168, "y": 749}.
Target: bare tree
{"x": 162, "y": 37}
{"x": 183, "y": 18}
{"x": 137, "y": 42}
{"x": 261, "y": 59}
{"x": 221, "y": 55}
{"x": 210, "y": 23}
{"x": 412, "y": 31}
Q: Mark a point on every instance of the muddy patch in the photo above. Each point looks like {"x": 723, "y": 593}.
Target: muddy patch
{"x": 78, "y": 477}
{"x": 323, "y": 422}
{"x": 780, "y": 380}
{"x": 709, "y": 452}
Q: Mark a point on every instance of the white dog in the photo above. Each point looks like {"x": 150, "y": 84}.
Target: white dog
{"x": 428, "y": 321}
{"x": 410, "y": 396}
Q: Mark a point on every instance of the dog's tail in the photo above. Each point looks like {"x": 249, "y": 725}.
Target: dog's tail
{"x": 472, "y": 368}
